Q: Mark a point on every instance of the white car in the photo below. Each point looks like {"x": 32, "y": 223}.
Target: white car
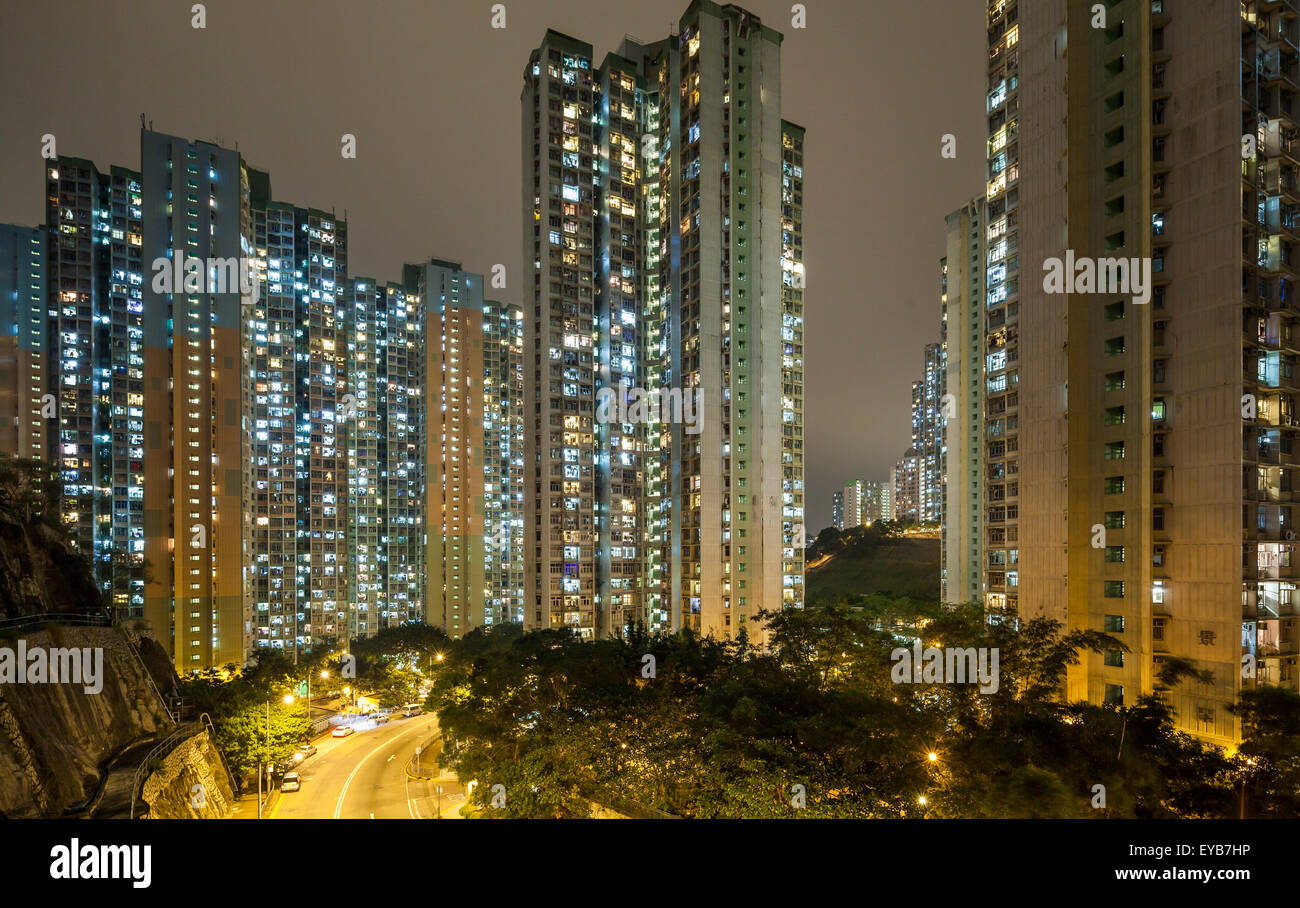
{"x": 290, "y": 782}
{"x": 342, "y": 731}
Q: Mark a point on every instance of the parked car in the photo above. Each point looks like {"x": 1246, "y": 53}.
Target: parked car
{"x": 290, "y": 782}
{"x": 342, "y": 731}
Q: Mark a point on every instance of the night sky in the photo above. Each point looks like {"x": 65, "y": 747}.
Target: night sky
{"x": 431, "y": 92}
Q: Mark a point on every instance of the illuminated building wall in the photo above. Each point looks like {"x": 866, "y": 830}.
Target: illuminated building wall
{"x": 794, "y": 534}
{"x": 503, "y": 438}
{"x": 299, "y": 554}
{"x": 853, "y": 497}
{"x": 620, "y": 358}
{"x": 927, "y": 435}
{"x": 23, "y": 359}
{"x": 692, "y": 240}
{"x": 383, "y": 411}
{"x": 95, "y": 357}
{"x": 905, "y": 482}
{"x": 455, "y": 508}
{"x": 962, "y": 467}
{"x": 196, "y": 427}
{"x": 1166, "y": 422}
{"x": 560, "y": 454}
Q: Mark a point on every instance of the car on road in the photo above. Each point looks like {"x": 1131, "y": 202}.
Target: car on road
{"x": 411, "y": 709}
{"x": 380, "y": 717}
{"x": 303, "y": 751}
{"x": 342, "y": 731}
{"x": 290, "y": 782}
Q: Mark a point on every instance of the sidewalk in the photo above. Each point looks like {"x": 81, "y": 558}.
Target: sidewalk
{"x": 246, "y": 806}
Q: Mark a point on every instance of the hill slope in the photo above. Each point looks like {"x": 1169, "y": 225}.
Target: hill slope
{"x": 906, "y": 566}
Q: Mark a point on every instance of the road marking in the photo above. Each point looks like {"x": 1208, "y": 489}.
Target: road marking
{"x": 338, "y": 805}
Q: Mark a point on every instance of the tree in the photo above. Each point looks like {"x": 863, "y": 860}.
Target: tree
{"x": 29, "y": 490}
{"x": 1268, "y": 764}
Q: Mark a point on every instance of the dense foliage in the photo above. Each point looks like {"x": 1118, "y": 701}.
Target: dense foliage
{"x": 813, "y": 725}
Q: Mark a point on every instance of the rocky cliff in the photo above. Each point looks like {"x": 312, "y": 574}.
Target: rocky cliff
{"x": 190, "y": 783}
{"x": 40, "y": 573}
{"x": 55, "y": 739}
{"x": 59, "y": 742}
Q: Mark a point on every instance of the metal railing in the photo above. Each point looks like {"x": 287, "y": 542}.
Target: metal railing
{"x": 171, "y": 742}
{"x": 41, "y": 619}
{"x": 130, "y": 644}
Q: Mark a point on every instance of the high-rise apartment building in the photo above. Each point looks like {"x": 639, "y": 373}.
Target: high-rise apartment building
{"x": 474, "y": 464}
{"x": 905, "y": 481}
{"x": 877, "y": 502}
{"x": 685, "y": 510}
{"x": 559, "y": 366}
{"x": 1138, "y": 437}
{"x": 962, "y": 411}
{"x": 383, "y": 409}
{"x": 837, "y": 509}
{"x": 854, "y": 496}
{"x": 298, "y": 550}
{"x": 503, "y": 459}
{"x": 23, "y": 361}
{"x": 927, "y": 435}
{"x": 792, "y": 279}
{"x": 864, "y": 503}
{"x": 323, "y": 457}
{"x": 94, "y": 368}
{"x": 197, "y": 430}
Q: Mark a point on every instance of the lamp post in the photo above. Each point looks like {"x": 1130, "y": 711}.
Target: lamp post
{"x": 263, "y": 766}
{"x": 323, "y": 675}
{"x": 1250, "y": 762}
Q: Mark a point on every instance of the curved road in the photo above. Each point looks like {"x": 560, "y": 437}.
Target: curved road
{"x": 364, "y": 777}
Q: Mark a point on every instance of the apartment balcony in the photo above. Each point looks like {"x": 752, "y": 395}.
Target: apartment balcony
{"x": 1277, "y": 256}
{"x": 1275, "y": 649}
{"x": 1271, "y": 608}
{"x": 1278, "y": 69}
{"x": 1273, "y": 564}
{"x": 1281, "y": 140}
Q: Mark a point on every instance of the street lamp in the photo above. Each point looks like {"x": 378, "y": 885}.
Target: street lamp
{"x": 323, "y": 676}
{"x": 1250, "y": 762}
{"x": 288, "y": 698}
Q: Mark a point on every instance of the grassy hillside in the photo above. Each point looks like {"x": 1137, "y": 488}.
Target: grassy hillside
{"x": 904, "y": 566}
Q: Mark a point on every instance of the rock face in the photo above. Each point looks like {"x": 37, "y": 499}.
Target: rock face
{"x": 56, "y": 738}
{"x": 191, "y": 783}
{"x": 39, "y": 573}
{"x": 64, "y": 750}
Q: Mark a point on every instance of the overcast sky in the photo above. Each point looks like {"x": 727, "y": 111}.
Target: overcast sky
{"x": 431, "y": 92}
